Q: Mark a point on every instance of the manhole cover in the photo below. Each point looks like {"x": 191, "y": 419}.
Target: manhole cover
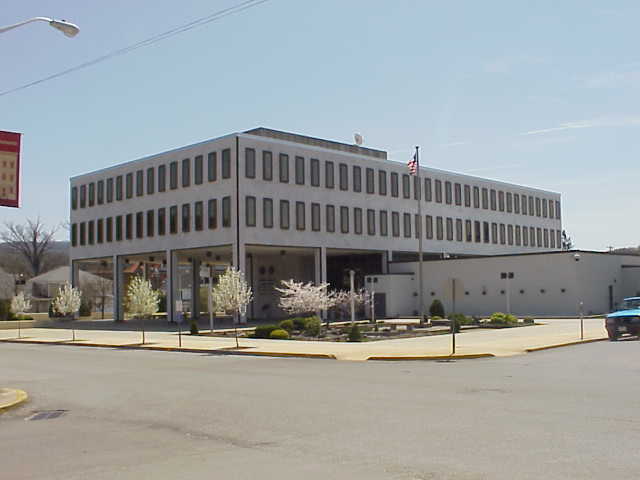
{"x": 46, "y": 415}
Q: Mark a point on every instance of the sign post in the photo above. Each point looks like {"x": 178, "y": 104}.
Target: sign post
{"x": 9, "y": 169}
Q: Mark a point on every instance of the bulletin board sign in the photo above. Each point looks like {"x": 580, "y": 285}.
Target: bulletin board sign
{"x": 9, "y": 169}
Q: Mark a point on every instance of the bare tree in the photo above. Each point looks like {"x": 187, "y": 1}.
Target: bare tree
{"x": 32, "y": 241}
{"x": 567, "y": 243}
{"x": 99, "y": 291}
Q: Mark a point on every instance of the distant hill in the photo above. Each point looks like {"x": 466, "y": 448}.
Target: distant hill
{"x": 12, "y": 262}
{"x": 628, "y": 250}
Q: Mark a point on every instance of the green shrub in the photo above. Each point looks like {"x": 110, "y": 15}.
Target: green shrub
{"x": 287, "y": 325}
{"x": 162, "y": 304}
{"x": 263, "y": 331}
{"x": 499, "y": 318}
{"x": 5, "y": 309}
{"x": 436, "y": 309}
{"x": 85, "y": 308}
{"x": 279, "y": 334}
{"x": 23, "y": 317}
{"x": 194, "y": 328}
{"x": 299, "y": 323}
{"x": 354, "y": 333}
{"x": 528, "y": 320}
{"x": 312, "y": 328}
{"x": 457, "y": 320}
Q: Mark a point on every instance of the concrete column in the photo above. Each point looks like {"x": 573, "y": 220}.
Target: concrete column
{"x": 321, "y": 271}
{"x": 240, "y": 262}
{"x": 118, "y": 288}
{"x": 385, "y": 258}
{"x": 171, "y": 304}
{"x": 195, "y": 288}
{"x": 74, "y": 274}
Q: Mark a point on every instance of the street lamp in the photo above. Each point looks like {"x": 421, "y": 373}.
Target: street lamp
{"x": 69, "y": 29}
{"x": 507, "y": 276}
{"x": 576, "y": 257}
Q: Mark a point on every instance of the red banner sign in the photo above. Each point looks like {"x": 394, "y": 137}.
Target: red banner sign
{"x": 9, "y": 169}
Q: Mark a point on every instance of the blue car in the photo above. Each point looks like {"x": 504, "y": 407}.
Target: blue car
{"x": 624, "y": 321}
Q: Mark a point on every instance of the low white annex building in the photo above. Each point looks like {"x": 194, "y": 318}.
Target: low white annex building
{"x": 537, "y": 284}
{"x": 279, "y": 205}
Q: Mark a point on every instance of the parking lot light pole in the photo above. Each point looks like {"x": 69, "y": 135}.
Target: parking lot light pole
{"x": 576, "y": 257}
{"x": 507, "y": 276}
{"x": 69, "y": 29}
{"x": 352, "y": 274}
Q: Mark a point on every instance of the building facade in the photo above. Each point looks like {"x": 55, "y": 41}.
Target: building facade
{"x": 537, "y": 284}
{"x": 279, "y": 205}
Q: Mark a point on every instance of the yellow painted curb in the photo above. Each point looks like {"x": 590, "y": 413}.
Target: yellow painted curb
{"x": 295, "y": 355}
{"x": 21, "y": 396}
{"x": 567, "y": 344}
{"x": 148, "y": 346}
{"x": 436, "y": 357}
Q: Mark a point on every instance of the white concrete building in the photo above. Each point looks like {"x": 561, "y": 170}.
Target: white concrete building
{"x": 536, "y": 284}
{"x": 280, "y": 205}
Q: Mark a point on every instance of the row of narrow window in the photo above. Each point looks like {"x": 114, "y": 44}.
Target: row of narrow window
{"x": 184, "y": 218}
{"x": 171, "y": 220}
{"x": 452, "y": 193}
{"x": 435, "y": 190}
{"x": 134, "y": 183}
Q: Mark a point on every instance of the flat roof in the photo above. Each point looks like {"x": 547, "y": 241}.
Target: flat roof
{"x": 317, "y": 142}
{"x": 289, "y": 137}
{"x": 555, "y": 252}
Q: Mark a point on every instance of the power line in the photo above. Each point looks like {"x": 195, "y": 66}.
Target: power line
{"x": 145, "y": 43}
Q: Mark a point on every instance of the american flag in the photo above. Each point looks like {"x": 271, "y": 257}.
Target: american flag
{"x": 413, "y": 164}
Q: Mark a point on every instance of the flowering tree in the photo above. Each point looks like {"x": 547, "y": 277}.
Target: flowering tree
{"x": 300, "y": 297}
{"x": 232, "y": 294}
{"x": 20, "y": 304}
{"x": 343, "y": 300}
{"x": 142, "y": 299}
{"x": 67, "y": 301}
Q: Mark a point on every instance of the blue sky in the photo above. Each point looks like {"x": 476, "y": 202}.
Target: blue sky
{"x": 544, "y": 93}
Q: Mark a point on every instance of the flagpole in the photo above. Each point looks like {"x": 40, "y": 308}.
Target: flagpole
{"x": 418, "y": 195}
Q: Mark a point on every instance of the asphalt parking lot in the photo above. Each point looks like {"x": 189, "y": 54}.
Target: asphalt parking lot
{"x": 560, "y": 414}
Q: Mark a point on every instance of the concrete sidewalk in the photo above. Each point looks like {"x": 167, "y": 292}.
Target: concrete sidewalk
{"x": 485, "y": 342}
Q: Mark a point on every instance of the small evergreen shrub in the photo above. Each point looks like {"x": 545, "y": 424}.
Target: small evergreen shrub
{"x": 23, "y": 317}
{"x": 355, "y": 335}
{"x": 85, "y": 308}
{"x": 263, "y": 331}
{"x": 287, "y": 325}
{"x": 436, "y": 309}
{"x": 162, "y": 305}
{"x": 194, "y": 328}
{"x": 312, "y": 328}
{"x": 528, "y": 320}
{"x": 299, "y": 323}
{"x": 499, "y": 318}
{"x": 279, "y": 334}
{"x": 5, "y": 309}
{"x": 457, "y": 320}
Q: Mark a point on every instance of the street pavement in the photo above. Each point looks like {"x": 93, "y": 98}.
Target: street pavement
{"x": 569, "y": 413}
{"x": 502, "y": 342}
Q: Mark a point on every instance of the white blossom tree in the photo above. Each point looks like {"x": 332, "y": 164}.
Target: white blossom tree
{"x": 142, "y": 300}
{"x": 300, "y": 297}
{"x": 20, "y": 304}
{"x": 232, "y": 294}
{"x": 343, "y": 300}
{"x": 67, "y": 301}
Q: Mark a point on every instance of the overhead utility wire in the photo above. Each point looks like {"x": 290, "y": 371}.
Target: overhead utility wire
{"x": 145, "y": 43}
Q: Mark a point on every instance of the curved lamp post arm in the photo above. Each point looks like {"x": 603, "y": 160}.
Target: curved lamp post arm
{"x": 69, "y": 29}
